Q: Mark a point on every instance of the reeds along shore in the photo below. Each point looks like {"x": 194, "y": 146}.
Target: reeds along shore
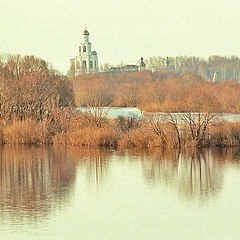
{"x": 85, "y": 129}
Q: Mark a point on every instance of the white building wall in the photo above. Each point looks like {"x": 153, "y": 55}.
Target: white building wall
{"x": 82, "y": 56}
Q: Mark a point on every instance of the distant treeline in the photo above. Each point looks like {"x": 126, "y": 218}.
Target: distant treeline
{"x": 157, "y": 91}
{"x": 225, "y": 68}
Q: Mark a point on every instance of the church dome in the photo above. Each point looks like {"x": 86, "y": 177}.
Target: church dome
{"x": 142, "y": 64}
{"x": 85, "y": 32}
{"x": 94, "y": 53}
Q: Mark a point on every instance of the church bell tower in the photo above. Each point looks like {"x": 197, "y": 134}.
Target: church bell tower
{"x": 86, "y": 61}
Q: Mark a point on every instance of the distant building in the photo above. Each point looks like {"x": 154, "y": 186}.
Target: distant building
{"x": 216, "y": 77}
{"x": 167, "y": 62}
{"x": 130, "y": 68}
{"x": 86, "y": 61}
{"x": 142, "y": 65}
{"x": 127, "y": 68}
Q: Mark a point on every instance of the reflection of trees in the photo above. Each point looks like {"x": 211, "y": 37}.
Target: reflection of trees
{"x": 93, "y": 163}
{"x": 199, "y": 175}
{"x": 193, "y": 174}
{"x": 225, "y": 155}
{"x": 35, "y": 181}
{"x": 157, "y": 166}
{"x": 32, "y": 180}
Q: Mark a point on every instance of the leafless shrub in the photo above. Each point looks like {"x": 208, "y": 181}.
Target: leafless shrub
{"x": 95, "y": 116}
{"x": 125, "y": 124}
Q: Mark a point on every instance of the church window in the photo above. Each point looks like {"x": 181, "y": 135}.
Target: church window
{"x": 91, "y": 65}
{"x": 84, "y": 49}
{"x": 84, "y": 66}
{"x": 95, "y": 64}
{"x": 79, "y": 49}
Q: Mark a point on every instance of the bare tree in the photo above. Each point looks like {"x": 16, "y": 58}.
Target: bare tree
{"x": 31, "y": 88}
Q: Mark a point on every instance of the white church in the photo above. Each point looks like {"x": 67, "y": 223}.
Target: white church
{"x": 86, "y": 61}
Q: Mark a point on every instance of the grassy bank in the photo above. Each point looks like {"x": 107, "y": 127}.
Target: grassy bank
{"x": 85, "y": 129}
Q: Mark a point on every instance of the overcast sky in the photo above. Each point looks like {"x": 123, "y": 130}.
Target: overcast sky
{"x": 119, "y": 29}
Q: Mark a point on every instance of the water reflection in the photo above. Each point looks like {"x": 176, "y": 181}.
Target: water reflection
{"x": 34, "y": 181}
{"x": 93, "y": 164}
{"x": 49, "y": 193}
{"x": 201, "y": 177}
{"x": 193, "y": 174}
{"x": 226, "y": 155}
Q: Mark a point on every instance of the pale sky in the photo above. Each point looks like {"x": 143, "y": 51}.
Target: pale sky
{"x": 119, "y": 29}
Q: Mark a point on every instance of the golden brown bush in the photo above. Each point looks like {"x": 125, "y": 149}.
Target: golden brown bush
{"x": 26, "y": 132}
{"x": 88, "y": 137}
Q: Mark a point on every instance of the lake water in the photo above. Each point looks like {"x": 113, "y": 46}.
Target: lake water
{"x": 114, "y": 112}
{"x": 72, "y": 193}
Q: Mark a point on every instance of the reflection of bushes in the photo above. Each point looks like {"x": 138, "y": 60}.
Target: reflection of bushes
{"x": 34, "y": 179}
{"x": 195, "y": 174}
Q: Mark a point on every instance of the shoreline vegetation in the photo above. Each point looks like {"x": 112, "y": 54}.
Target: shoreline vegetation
{"x": 37, "y": 106}
{"x": 83, "y": 129}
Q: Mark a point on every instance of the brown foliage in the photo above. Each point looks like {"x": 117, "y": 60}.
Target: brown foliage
{"x": 226, "y": 134}
{"x": 157, "y": 92}
{"x": 148, "y": 134}
{"x": 31, "y": 88}
{"x": 88, "y": 137}
{"x": 26, "y": 132}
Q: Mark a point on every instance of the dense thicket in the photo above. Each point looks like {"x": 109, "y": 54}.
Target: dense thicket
{"x": 31, "y": 88}
{"x": 157, "y": 91}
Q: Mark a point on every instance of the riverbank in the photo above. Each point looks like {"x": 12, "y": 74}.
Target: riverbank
{"x": 91, "y": 130}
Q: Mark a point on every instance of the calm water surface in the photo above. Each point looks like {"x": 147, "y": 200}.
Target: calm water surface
{"x": 114, "y": 112}
{"x": 72, "y": 193}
